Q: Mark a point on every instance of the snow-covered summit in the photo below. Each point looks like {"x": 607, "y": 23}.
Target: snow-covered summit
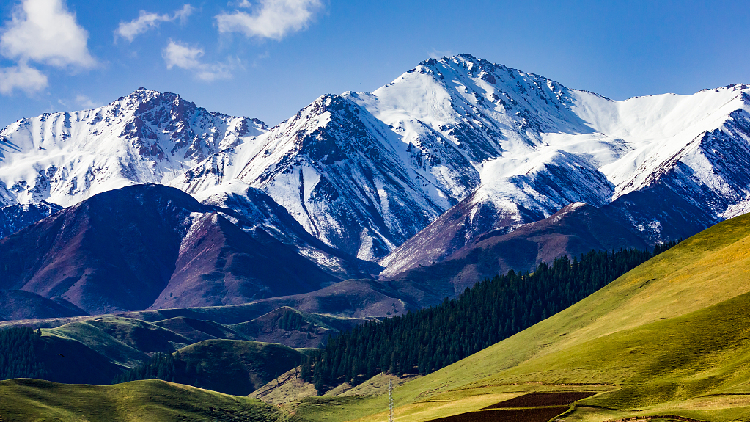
{"x": 147, "y": 136}
{"x": 576, "y": 146}
{"x": 334, "y": 167}
{"x": 366, "y": 171}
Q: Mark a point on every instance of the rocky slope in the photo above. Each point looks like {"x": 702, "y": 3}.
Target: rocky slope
{"x": 15, "y": 217}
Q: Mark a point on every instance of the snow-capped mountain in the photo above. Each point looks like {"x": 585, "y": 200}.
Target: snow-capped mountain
{"x": 145, "y": 137}
{"x": 335, "y": 169}
{"x": 364, "y": 172}
{"x": 693, "y": 148}
{"x": 451, "y": 149}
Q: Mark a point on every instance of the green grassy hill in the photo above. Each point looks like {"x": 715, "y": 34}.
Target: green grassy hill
{"x": 147, "y": 401}
{"x": 238, "y": 367}
{"x": 670, "y": 337}
{"x": 124, "y": 341}
{"x": 227, "y": 366}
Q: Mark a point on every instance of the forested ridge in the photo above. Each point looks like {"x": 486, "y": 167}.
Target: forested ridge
{"x": 161, "y": 366}
{"x": 19, "y": 358}
{"x": 227, "y": 366}
{"x": 424, "y": 341}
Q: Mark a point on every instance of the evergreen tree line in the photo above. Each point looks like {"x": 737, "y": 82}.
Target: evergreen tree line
{"x": 292, "y": 321}
{"x": 490, "y": 311}
{"x": 19, "y": 353}
{"x": 163, "y": 366}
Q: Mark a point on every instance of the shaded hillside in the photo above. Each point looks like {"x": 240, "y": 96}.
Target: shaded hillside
{"x": 575, "y": 229}
{"x": 219, "y": 264}
{"x": 114, "y": 251}
{"x": 149, "y": 245}
{"x": 227, "y": 366}
{"x": 293, "y": 328}
{"x": 123, "y": 341}
{"x": 25, "y": 353}
{"x": 19, "y": 304}
{"x": 346, "y": 299}
{"x": 572, "y": 231}
{"x": 151, "y": 400}
{"x": 195, "y": 330}
{"x": 16, "y": 217}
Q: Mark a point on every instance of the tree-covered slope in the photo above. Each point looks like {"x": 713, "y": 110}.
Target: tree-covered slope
{"x": 429, "y": 339}
{"x": 668, "y": 337}
{"x": 227, "y": 366}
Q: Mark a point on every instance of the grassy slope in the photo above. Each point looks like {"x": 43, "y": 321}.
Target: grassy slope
{"x": 668, "y": 323}
{"x": 124, "y": 341}
{"x": 238, "y": 367}
{"x": 151, "y": 400}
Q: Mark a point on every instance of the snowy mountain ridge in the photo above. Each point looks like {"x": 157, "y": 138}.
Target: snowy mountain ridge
{"x": 144, "y": 137}
{"x": 516, "y": 145}
{"x": 447, "y": 151}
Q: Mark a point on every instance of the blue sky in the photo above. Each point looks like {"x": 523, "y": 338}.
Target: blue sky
{"x": 269, "y": 58}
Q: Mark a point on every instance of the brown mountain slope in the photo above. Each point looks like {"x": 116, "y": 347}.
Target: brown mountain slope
{"x": 120, "y": 250}
{"x": 576, "y": 229}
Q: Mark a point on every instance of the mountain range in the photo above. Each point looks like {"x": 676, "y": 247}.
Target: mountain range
{"x": 458, "y": 157}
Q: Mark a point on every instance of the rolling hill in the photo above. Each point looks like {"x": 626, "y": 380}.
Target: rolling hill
{"x": 668, "y": 338}
{"x": 149, "y": 400}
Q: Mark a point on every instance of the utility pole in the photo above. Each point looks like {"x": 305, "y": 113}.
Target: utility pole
{"x": 390, "y": 401}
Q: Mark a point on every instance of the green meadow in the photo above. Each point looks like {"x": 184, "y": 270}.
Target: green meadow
{"x": 148, "y": 400}
{"x": 670, "y": 337}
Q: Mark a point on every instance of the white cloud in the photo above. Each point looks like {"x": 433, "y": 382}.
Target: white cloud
{"x": 21, "y": 77}
{"x": 147, "y": 20}
{"x": 182, "y": 14}
{"x": 85, "y": 102}
{"x": 81, "y": 101}
{"x": 183, "y": 56}
{"x": 44, "y": 31}
{"x": 272, "y": 19}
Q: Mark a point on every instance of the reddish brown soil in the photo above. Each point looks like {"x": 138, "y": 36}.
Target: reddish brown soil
{"x": 520, "y": 415}
{"x": 542, "y": 399}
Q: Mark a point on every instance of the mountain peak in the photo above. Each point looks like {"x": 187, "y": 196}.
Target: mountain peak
{"x": 145, "y": 136}
{"x": 466, "y": 63}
